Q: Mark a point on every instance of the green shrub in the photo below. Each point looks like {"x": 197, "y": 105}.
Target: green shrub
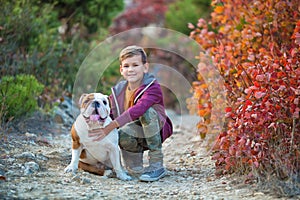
{"x": 18, "y": 96}
{"x": 50, "y": 39}
{"x": 182, "y": 12}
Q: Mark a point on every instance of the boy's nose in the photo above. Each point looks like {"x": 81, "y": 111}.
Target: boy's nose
{"x": 130, "y": 68}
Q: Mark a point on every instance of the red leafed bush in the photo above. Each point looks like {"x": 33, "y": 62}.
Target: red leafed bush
{"x": 140, "y": 14}
{"x": 255, "y": 46}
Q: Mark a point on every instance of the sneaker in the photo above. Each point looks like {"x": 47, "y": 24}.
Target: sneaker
{"x": 153, "y": 175}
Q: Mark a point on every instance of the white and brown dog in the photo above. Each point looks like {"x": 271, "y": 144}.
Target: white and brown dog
{"x": 88, "y": 154}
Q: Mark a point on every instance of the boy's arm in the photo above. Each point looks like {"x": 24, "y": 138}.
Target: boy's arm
{"x": 101, "y": 133}
{"x": 150, "y": 97}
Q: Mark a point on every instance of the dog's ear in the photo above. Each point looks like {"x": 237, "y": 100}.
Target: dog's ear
{"x": 107, "y": 98}
{"x": 82, "y": 97}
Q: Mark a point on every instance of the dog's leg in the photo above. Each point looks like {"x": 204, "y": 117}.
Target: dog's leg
{"x": 95, "y": 169}
{"x": 76, "y": 151}
{"x": 115, "y": 159}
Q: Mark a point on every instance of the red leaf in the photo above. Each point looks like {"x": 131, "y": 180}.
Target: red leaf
{"x": 228, "y": 109}
{"x": 259, "y": 95}
{"x": 281, "y": 74}
{"x": 256, "y": 164}
{"x": 248, "y": 103}
{"x": 248, "y": 90}
{"x": 296, "y": 113}
{"x": 260, "y": 77}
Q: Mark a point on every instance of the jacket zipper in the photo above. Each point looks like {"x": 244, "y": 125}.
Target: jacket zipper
{"x": 116, "y": 102}
{"x": 141, "y": 92}
{"x": 136, "y": 98}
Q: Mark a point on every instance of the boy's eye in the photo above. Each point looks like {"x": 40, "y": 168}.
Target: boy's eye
{"x": 133, "y": 65}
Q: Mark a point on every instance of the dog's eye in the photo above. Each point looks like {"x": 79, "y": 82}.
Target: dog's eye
{"x": 104, "y": 102}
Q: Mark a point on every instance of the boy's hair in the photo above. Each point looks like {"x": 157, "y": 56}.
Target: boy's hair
{"x": 133, "y": 51}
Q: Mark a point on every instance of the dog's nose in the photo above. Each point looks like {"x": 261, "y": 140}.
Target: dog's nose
{"x": 96, "y": 104}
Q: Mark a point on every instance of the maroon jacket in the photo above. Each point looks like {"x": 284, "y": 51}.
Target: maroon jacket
{"x": 148, "y": 95}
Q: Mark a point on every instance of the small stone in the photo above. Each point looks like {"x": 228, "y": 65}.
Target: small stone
{"x": 258, "y": 194}
{"x": 85, "y": 181}
{"x": 31, "y": 167}
{"x": 76, "y": 177}
{"x": 58, "y": 119}
{"x": 42, "y": 157}
{"x": 228, "y": 188}
{"x": 30, "y": 135}
{"x": 11, "y": 160}
{"x": 25, "y": 155}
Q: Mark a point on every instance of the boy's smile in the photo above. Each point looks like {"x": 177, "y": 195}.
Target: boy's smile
{"x": 133, "y": 70}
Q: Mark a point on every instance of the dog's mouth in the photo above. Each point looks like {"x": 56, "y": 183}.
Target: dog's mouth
{"x": 95, "y": 116}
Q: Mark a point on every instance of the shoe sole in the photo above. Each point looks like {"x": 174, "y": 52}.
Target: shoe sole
{"x": 148, "y": 179}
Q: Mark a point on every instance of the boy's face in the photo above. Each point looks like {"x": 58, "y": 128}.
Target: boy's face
{"x": 133, "y": 69}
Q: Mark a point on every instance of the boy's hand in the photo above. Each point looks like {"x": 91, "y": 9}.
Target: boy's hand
{"x": 98, "y": 133}
{"x": 101, "y": 133}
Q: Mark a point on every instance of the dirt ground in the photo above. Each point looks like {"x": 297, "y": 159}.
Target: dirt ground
{"x": 35, "y": 151}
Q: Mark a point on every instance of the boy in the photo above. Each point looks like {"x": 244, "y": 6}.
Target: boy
{"x": 138, "y": 111}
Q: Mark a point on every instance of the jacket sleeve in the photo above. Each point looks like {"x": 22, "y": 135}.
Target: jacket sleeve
{"x": 112, "y": 107}
{"x": 150, "y": 97}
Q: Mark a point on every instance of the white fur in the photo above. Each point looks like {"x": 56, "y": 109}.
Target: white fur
{"x": 106, "y": 150}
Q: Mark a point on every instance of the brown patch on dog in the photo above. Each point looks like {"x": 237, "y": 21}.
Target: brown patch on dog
{"x": 86, "y": 100}
{"x": 83, "y": 154}
{"x": 75, "y": 138}
{"x": 99, "y": 170}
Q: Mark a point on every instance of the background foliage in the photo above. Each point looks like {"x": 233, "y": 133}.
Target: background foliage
{"x": 140, "y": 14}
{"x": 188, "y": 11}
{"x": 255, "y": 46}
{"x": 164, "y": 13}
{"x": 50, "y": 39}
{"x": 18, "y": 96}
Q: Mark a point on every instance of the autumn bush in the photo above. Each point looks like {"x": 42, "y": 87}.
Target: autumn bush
{"x": 140, "y": 14}
{"x": 255, "y": 45}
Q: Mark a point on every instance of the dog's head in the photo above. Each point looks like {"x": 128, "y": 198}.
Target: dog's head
{"x": 94, "y": 106}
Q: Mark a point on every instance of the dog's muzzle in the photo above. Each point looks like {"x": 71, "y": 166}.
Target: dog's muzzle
{"x": 96, "y": 105}
{"x": 95, "y": 116}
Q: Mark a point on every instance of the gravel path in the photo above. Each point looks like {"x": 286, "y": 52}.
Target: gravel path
{"x": 32, "y": 164}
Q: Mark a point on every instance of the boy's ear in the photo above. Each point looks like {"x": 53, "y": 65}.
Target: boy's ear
{"x": 146, "y": 67}
{"x": 120, "y": 68}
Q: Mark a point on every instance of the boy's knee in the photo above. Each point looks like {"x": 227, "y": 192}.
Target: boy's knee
{"x": 127, "y": 143}
{"x": 131, "y": 145}
{"x": 149, "y": 116}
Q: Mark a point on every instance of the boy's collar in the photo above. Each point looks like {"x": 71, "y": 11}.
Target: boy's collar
{"x": 147, "y": 79}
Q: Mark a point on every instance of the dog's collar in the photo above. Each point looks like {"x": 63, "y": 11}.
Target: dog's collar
{"x": 103, "y": 119}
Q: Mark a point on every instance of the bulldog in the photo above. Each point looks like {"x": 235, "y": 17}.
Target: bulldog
{"x": 89, "y": 155}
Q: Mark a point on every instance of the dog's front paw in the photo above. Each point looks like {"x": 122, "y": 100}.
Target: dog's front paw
{"x": 123, "y": 176}
{"x": 71, "y": 168}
